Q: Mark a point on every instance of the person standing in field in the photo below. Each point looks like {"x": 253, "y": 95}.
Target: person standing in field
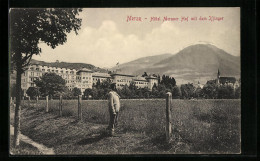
{"x": 114, "y": 107}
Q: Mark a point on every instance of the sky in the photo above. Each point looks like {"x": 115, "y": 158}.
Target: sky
{"x": 106, "y": 37}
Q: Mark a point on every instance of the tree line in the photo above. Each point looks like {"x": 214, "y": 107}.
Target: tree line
{"x": 53, "y": 85}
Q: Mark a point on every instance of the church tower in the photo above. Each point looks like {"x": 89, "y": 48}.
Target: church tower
{"x": 218, "y": 77}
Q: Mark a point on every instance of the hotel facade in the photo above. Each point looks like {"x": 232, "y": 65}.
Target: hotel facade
{"x": 83, "y": 78}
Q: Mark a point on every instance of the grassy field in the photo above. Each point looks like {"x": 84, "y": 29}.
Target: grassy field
{"x": 200, "y": 126}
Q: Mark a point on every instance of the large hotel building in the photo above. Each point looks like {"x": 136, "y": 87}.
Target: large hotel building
{"x": 83, "y": 78}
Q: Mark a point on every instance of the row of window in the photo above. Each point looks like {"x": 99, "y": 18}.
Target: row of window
{"x": 37, "y": 69}
{"x": 88, "y": 86}
{"x": 101, "y": 79}
{"x": 67, "y": 81}
{"x": 83, "y": 77}
{"x": 123, "y": 80}
{"x": 141, "y": 83}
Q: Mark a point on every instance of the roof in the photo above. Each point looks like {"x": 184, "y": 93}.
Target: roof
{"x": 104, "y": 75}
{"x": 223, "y": 80}
{"x": 139, "y": 79}
{"x": 151, "y": 77}
{"x": 84, "y": 70}
{"x": 122, "y": 75}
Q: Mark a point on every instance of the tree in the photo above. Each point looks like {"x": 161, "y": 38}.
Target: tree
{"x": 88, "y": 92}
{"x": 145, "y": 74}
{"x": 169, "y": 82}
{"x": 132, "y": 86}
{"x": 176, "y": 92}
{"x": 210, "y": 89}
{"x": 161, "y": 90}
{"x": 33, "y": 92}
{"x": 98, "y": 84}
{"x": 226, "y": 92}
{"x": 155, "y": 93}
{"x": 94, "y": 93}
{"x": 76, "y": 91}
{"x": 51, "y": 84}
{"x": 105, "y": 85}
{"x": 187, "y": 90}
{"x": 29, "y": 27}
{"x": 198, "y": 92}
{"x": 146, "y": 92}
{"x": 159, "y": 79}
{"x": 101, "y": 93}
{"x": 67, "y": 94}
{"x": 238, "y": 92}
{"x": 126, "y": 92}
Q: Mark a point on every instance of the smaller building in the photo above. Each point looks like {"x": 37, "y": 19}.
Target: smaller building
{"x": 121, "y": 80}
{"x": 140, "y": 82}
{"x": 100, "y": 77}
{"x": 226, "y": 80}
{"x": 151, "y": 81}
{"x": 84, "y": 79}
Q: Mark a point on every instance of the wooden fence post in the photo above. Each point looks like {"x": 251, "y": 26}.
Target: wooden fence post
{"x": 47, "y": 106}
{"x": 79, "y": 108}
{"x": 29, "y": 99}
{"x": 60, "y": 107}
{"x": 168, "y": 116}
{"x": 37, "y": 100}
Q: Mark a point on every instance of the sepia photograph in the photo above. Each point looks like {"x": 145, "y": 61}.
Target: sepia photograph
{"x": 113, "y": 81}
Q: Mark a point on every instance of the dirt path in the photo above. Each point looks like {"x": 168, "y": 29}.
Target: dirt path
{"x": 43, "y": 149}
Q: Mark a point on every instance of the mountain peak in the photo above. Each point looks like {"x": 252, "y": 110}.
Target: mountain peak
{"x": 197, "y": 62}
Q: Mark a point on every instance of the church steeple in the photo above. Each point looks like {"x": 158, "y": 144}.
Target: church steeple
{"x": 218, "y": 77}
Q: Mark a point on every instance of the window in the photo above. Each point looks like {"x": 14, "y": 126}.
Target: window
{"x": 67, "y": 72}
{"x": 48, "y": 70}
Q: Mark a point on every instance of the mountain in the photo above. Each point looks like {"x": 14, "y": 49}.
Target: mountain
{"x": 76, "y": 66}
{"x": 194, "y": 63}
{"x": 141, "y": 64}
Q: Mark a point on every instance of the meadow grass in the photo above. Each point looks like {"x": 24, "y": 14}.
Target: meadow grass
{"x": 206, "y": 126}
